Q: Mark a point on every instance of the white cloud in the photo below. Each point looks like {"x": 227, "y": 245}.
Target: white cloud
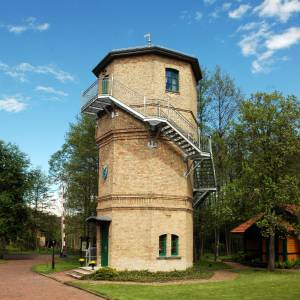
{"x": 284, "y": 40}
{"x": 215, "y": 14}
{"x": 209, "y": 2}
{"x": 12, "y": 104}
{"x": 281, "y": 9}
{"x": 16, "y": 29}
{"x": 186, "y": 16}
{"x": 20, "y": 71}
{"x": 50, "y": 90}
{"x": 29, "y": 24}
{"x": 226, "y": 5}
{"x": 239, "y": 12}
{"x": 190, "y": 17}
{"x": 273, "y": 43}
{"x": 261, "y": 42}
{"x": 198, "y": 16}
{"x": 251, "y": 42}
{"x": 248, "y": 26}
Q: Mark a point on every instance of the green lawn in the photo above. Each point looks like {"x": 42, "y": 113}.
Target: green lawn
{"x": 249, "y": 285}
{"x": 60, "y": 265}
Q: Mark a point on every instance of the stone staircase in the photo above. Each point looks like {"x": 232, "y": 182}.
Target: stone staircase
{"x": 80, "y": 272}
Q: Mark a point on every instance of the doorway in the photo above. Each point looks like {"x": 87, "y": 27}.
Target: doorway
{"x": 104, "y": 227}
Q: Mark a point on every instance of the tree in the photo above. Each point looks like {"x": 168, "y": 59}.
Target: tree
{"x": 76, "y": 166}
{"x": 13, "y": 186}
{"x": 267, "y": 142}
{"x": 39, "y": 200}
{"x": 203, "y": 101}
{"x": 218, "y": 102}
{"x": 38, "y": 195}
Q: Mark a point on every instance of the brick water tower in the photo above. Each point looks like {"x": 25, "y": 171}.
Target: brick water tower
{"x": 154, "y": 166}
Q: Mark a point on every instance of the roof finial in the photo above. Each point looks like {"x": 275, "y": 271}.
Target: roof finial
{"x": 147, "y": 36}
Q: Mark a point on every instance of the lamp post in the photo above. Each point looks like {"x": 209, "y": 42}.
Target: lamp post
{"x": 53, "y": 243}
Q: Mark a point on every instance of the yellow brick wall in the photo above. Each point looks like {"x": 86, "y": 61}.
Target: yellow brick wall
{"x": 145, "y": 74}
{"x": 145, "y": 194}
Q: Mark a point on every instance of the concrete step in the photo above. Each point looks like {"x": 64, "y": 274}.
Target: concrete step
{"x": 83, "y": 271}
{"x": 74, "y": 275}
{"x": 80, "y": 272}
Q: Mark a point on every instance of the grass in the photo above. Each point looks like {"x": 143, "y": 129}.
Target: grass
{"x": 250, "y": 285}
{"x": 60, "y": 265}
{"x": 199, "y": 271}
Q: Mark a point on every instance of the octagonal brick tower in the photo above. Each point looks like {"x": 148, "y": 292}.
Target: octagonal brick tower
{"x": 145, "y": 102}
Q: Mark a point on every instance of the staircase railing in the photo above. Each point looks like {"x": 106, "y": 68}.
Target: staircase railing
{"x": 148, "y": 107}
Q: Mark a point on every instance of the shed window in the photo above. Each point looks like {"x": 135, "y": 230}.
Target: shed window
{"x": 163, "y": 245}
{"x": 174, "y": 245}
{"x": 172, "y": 80}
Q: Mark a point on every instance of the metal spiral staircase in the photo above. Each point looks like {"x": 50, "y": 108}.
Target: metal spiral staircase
{"x": 163, "y": 119}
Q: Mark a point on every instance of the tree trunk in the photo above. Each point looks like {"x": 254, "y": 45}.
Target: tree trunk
{"x": 271, "y": 263}
{"x": 202, "y": 242}
{"x": 226, "y": 240}
{"x": 2, "y": 246}
{"x": 216, "y": 244}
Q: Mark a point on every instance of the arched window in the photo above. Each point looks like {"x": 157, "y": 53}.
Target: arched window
{"x": 172, "y": 80}
{"x": 174, "y": 244}
{"x": 162, "y": 245}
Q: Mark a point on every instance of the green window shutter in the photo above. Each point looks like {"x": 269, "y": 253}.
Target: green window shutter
{"x": 163, "y": 245}
{"x": 174, "y": 245}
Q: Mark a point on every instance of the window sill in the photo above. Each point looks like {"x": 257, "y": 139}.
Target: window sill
{"x": 173, "y": 92}
{"x": 169, "y": 257}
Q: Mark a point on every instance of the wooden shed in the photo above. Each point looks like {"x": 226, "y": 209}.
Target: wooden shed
{"x": 255, "y": 246}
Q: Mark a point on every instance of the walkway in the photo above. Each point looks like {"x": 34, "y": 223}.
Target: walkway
{"x": 18, "y": 282}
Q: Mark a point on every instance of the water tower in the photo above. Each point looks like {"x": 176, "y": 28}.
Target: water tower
{"x": 154, "y": 166}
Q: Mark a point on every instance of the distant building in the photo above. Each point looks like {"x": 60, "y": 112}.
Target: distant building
{"x": 154, "y": 167}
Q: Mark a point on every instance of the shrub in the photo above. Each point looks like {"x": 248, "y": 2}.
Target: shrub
{"x": 105, "y": 273}
{"x": 297, "y": 264}
{"x": 289, "y": 264}
{"x": 239, "y": 257}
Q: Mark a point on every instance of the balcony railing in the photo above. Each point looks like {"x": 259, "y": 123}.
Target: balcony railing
{"x": 148, "y": 107}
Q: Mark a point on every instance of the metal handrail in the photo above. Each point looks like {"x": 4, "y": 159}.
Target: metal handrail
{"x": 148, "y": 107}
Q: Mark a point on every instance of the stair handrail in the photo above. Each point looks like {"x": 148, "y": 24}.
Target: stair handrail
{"x": 143, "y": 104}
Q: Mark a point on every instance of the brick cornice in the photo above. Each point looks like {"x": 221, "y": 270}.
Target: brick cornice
{"x": 121, "y": 134}
{"x": 189, "y": 210}
{"x": 145, "y": 202}
{"x": 144, "y": 197}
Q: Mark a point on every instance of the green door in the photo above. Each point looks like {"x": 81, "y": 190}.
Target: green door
{"x": 105, "y": 85}
{"x": 104, "y": 244}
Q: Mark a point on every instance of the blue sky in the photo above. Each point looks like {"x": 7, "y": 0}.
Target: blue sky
{"x": 48, "y": 49}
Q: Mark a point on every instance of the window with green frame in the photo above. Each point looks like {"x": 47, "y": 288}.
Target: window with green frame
{"x": 172, "y": 80}
{"x": 163, "y": 245}
{"x": 174, "y": 244}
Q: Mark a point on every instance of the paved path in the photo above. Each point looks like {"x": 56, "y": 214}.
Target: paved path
{"x": 18, "y": 282}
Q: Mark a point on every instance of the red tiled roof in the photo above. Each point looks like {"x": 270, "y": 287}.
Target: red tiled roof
{"x": 246, "y": 225}
{"x": 291, "y": 208}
